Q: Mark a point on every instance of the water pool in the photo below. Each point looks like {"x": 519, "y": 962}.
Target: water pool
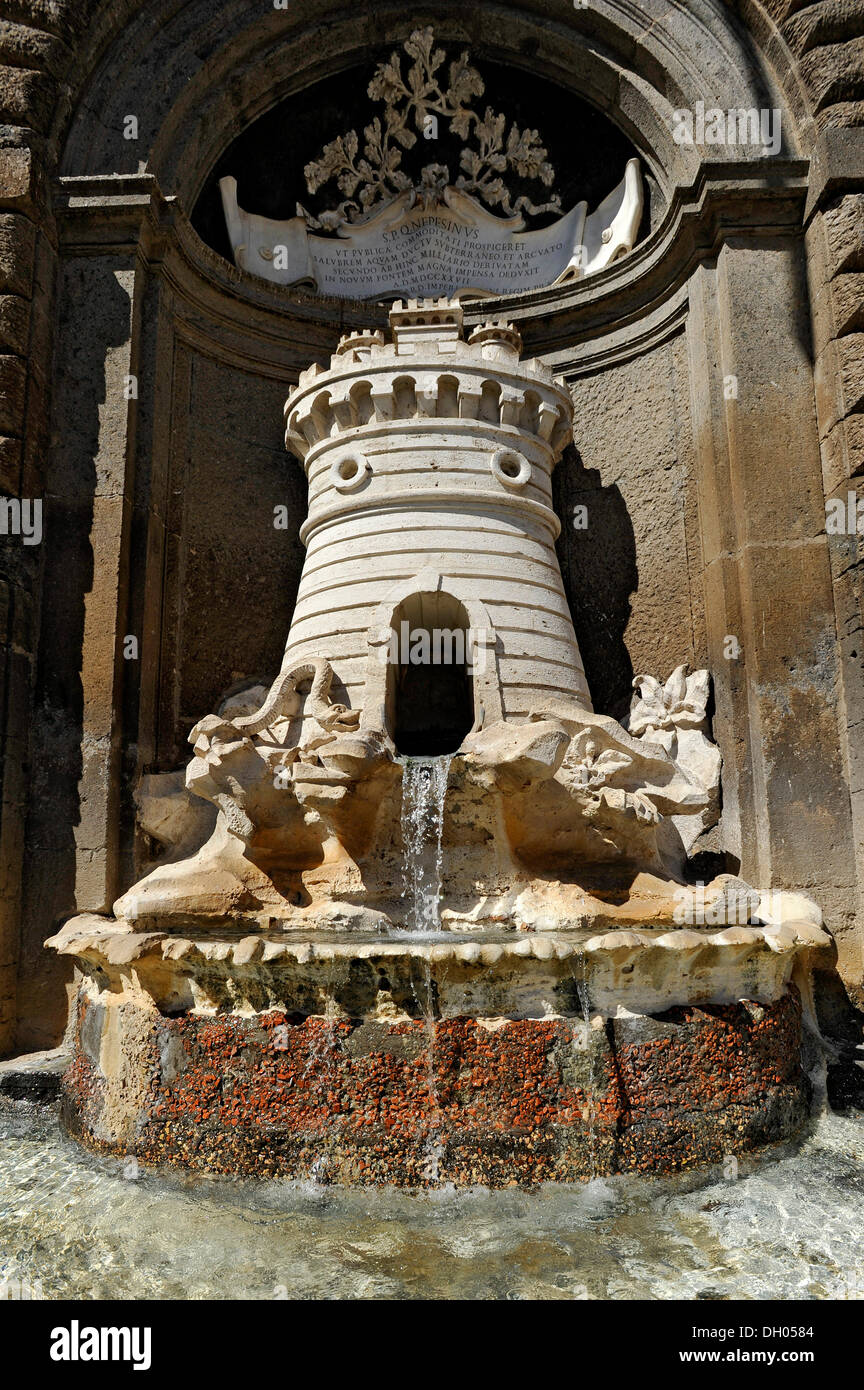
{"x": 78, "y": 1226}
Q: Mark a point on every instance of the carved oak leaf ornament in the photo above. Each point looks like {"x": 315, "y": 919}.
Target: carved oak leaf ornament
{"x": 376, "y": 177}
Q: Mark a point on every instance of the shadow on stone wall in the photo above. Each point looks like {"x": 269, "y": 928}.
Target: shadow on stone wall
{"x": 94, "y": 319}
{"x": 597, "y": 554}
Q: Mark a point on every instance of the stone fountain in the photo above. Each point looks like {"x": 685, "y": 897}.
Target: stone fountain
{"x": 435, "y": 923}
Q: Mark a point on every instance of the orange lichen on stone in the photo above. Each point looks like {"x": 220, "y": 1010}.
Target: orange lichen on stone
{"x": 423, "y": 1102}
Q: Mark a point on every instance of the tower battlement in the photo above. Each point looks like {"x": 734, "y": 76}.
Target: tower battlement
{"x": 428, "y": 371}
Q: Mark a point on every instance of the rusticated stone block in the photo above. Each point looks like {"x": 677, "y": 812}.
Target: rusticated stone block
{"x": 421, "y": 1102}
{"x": 26, "y": 97}
{"x": 17, "y": 246}
{"x": 844, "y": 234}
{"x": 843, "y": 452}
{"x": 837, "y": 159}
{"x": 24, "y": 47}
{"x": 844, "y": 114}
{"x": 10, "y": 464}
{"x": 829, "y": 22}
{"x": 16, "y": 178}
{"x": 67, "y": 19}
{"x": 839, "y": 380}
{"x": 13, "y": 393}
{"x": 835, "y": 73}
{"x": 850, "y": 360}
{"x": 848, "y": 302}
{"x": 14, "y": 323}
{"x": 779, "y": 10}
{"x": 855, "y": 444}
{"x": 837, "y": 307}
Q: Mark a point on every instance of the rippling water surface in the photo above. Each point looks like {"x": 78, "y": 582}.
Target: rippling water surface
{"x": 85, "y": 1227}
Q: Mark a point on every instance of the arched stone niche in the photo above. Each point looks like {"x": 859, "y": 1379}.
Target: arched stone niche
{"x": 427, "y": 602}
{"x": 690, "y": 364}
{"x": 430, "y": 702}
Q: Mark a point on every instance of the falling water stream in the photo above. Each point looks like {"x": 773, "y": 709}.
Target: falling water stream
{"x": 424, "y": 787}
{"x": 424, "y": 784}
{"x": 582, "y": 1039}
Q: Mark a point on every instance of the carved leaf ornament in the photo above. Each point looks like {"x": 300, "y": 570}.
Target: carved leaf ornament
{"x": 373, "y": 175}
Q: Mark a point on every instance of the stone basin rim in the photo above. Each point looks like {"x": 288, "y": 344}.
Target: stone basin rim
{"x": 92, "y": 937}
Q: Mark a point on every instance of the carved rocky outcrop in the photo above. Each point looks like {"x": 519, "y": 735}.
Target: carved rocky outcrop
{"x": 278, "y": 778}
{"x": 300, "y": 791}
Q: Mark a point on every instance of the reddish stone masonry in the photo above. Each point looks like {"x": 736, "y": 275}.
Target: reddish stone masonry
{"x": 424, "y": 1102}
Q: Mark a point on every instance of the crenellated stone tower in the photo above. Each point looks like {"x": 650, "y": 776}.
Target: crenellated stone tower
{"x": 430, "y": 463}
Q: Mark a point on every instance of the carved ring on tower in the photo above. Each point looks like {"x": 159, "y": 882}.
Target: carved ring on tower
{"x": 348, "y": 471}
{"x": 509, "y": 468}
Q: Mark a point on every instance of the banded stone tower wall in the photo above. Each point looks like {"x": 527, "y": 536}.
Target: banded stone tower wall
{"x": 430, "y": 473}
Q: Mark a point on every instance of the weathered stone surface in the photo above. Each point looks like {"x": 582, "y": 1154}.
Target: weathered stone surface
{"x": 496, "y": 974}
{"x": 13, "y": 385}
{"x": 17, "y": 244}
{"x": 779, "y": 10}
{"x": 170, "y": 814}
{"x": 422, "y": 1103}
{"x": 14, "y": 323}
{"x": 843, "y": 452}
{"x": 629, "y": 571}
{"x": 828, "y": 22}
{"x": 839, "y": 379}
{"x": 26, "y": 97}
{"x": 26, "y": 47}
{"x": 36, "y": 1076}
{"x": 844, "y": 231}
{"x": 10, "y": 464}
{"x": 844, "y": 114}
{"x": 848, "y": 298}
{"x": 19, "y": 180}
{"x": 835, "y": 73}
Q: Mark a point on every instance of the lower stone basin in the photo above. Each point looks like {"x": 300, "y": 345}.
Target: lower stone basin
{"x": 470, "y": 1059}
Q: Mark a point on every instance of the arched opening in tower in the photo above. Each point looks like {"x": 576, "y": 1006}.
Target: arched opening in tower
{"x": 430, "y": 698}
